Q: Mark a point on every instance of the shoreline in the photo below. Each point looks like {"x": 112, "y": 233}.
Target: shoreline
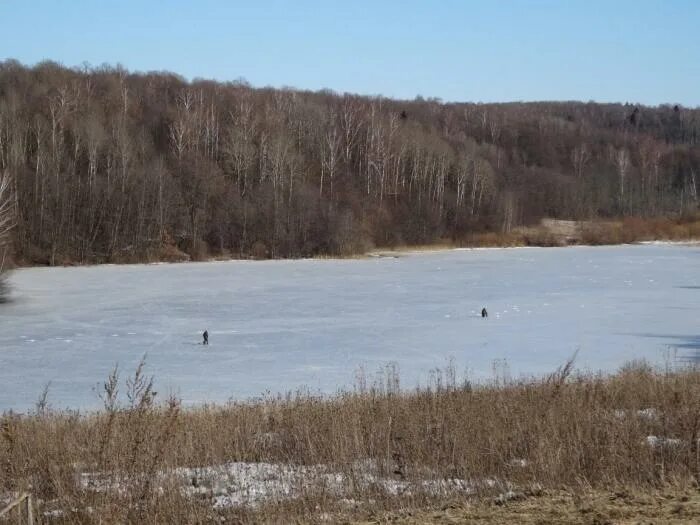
{"x": 476, "y": 383}
{"x": 373, "y": 254}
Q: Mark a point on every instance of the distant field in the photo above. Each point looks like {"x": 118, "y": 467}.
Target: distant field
{"x": 281, "y": 325}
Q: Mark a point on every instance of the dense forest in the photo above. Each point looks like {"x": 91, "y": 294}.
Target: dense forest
{"x": 108, "y": 165}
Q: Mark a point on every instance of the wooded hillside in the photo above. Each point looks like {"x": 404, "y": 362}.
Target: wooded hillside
{"x": 115, "y": 166}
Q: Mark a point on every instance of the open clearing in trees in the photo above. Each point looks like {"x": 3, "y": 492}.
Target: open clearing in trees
{"x": 280, "y": 325}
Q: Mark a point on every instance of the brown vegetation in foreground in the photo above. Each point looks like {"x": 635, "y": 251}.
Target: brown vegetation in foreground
{"x": 638, "y": 430}
{"x": 672, "y": 506}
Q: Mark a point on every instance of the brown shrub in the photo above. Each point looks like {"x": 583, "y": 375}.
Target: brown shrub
{"x": 558, "y": 431}
{"x": 494, "y": 240}
{"x": 171, "y": 253}
{"x": 259, "y": 250}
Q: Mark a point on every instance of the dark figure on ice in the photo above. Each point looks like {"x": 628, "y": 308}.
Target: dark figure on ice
{"x": 484, "y": 313}
{"x": 205, "y": 336}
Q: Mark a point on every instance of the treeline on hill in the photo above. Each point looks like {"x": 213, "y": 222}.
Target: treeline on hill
{"x": 109, "y": 165}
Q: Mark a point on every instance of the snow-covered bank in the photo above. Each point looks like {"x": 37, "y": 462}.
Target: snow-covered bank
{"x": 280, "y": 325}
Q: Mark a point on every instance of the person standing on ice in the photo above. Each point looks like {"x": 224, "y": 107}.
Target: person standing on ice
{"x": 484, "y": 313}
{"x": 205, "y": 337}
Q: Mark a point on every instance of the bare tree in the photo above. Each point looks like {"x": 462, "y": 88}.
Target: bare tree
{"x": 350, "y": 124}
{"x": 330, "y": 148}
{"x": 509, "y": 212}
{"x": 8, "y": 217}
{"x": 621, "y": 158}
{"x": 580, "y": 156}
{"x": 482, "y": 183}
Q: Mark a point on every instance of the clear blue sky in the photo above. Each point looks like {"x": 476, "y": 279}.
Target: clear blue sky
{"x": 616, "y": 50}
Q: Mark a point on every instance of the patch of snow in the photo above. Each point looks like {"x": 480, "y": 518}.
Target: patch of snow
{"x": 353, "y": 503}
{"x": 650, "y": 414}
{"x": 670, "y": 243}
{"x": 249, "y": 484}
{"x": 658, "y": 442}
{"x": 239, "y": 483}
{"x": 508, "y": 496}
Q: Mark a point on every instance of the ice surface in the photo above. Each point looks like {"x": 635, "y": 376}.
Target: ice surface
{"x": 279, "y": 325}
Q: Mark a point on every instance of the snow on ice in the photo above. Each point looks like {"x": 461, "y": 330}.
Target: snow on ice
{"x": 282, "y": 325}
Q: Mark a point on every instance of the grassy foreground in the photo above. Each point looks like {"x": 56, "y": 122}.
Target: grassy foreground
{"x": 673, "y": 505}
{"x": 565, "y": 448}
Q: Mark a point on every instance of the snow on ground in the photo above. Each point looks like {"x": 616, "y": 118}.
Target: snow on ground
{"x": 280, "y": 325}
{"x": 248, "y": 484}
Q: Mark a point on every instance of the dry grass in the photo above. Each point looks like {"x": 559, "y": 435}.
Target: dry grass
{"x": 623, "y": 231}
{"x": 494, "y": 240}
{"x": 636, "y": 229}
{"x": 674, "y": 505}
{"x": 561, "y": 432}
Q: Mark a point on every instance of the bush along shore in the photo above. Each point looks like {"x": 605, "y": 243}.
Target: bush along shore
{"x": 548, "y": 233}
{"x": 376, "y": 453}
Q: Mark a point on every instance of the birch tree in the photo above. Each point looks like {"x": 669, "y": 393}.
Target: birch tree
{"x": 621, "y": 159}
{"x": 580, "y": 156}
{"x": 330, "y": 156}
{"x": 8, "y": 217}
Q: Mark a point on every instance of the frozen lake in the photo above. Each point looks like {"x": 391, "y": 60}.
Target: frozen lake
{"x": 279, "y": 325}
